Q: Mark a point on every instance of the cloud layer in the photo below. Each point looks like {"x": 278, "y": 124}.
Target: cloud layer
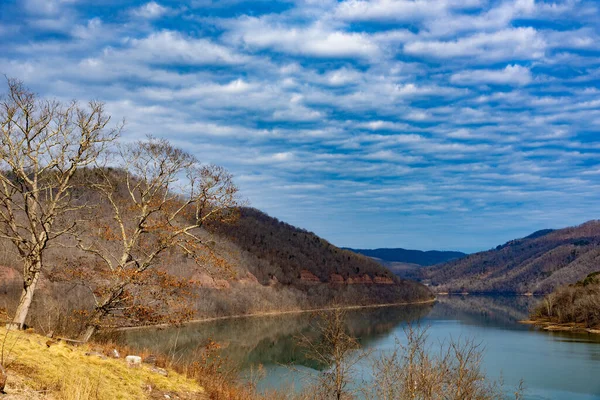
{"x": 414, "y": 123}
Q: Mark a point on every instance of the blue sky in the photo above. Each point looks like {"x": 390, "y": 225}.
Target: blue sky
{"x": 428, "y": 124}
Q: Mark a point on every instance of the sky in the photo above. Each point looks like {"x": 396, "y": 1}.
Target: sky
{"x": 425, "y": 124}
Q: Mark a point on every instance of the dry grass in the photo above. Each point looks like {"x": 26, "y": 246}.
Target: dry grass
{"x": 64, "y": 372}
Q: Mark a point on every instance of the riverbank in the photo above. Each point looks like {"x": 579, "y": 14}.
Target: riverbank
{"x": 275, "y": 313}
{"x": 41, "y": 368}
{"x": 549, "y": 325}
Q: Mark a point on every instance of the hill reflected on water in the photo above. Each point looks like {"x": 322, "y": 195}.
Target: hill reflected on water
{"x": 270, "y": 339}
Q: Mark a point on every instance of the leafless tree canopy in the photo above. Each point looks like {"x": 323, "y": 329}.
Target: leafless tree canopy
{"x": 165, "y": 198}
{"x": 42, "y": 144}
{"x": 415, "y": 369}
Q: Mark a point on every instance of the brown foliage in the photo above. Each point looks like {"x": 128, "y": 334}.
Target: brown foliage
{"x": 578, "y": 303}
{"x": 157, "y": 203}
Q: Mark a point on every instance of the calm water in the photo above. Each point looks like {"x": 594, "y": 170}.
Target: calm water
{"x": 553, "y": 365}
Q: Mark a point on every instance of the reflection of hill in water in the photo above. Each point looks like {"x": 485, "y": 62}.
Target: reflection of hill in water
{"x": 495, "y": 311}
{"x": 268, "y": 340}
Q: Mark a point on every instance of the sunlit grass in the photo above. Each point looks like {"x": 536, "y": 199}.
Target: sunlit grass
{"x": 67, "y": 373}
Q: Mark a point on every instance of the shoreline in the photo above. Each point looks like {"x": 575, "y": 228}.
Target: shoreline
{"x": 274, "y": 313}
{"x": 511, "y": 294}
{"x": 558, "y": 327}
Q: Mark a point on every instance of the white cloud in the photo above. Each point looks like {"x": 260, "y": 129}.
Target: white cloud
{"x": 494, "y": 19}
{"x": 511, "y": 75}
{"x": 315, "y": 40}
{"x": 584, "y": 38}
{"x": 514, "y": 43}
{"x": 174, "y": 47}
{"x": 47, "y": 7}
{"x": 404, "y": 10}
{"x": 343, "y": 76}
{"x": 151, "y": 10}
{"x": 201, "y": 90}
{"x": 92, "y": 30}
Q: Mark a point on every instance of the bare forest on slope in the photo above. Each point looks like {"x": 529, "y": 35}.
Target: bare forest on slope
{"x": 577, "y": 303}
{"x": 538, "y": 263}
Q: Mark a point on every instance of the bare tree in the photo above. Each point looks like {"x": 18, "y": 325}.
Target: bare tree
{"x": 450, "y": 371}
{"x": 337, "y": 352}
{"x": 42, "y": 145}
{"x": 158, "y": 201}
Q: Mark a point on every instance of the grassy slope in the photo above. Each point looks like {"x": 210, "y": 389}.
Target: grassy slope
{"x": 65, "y": 372}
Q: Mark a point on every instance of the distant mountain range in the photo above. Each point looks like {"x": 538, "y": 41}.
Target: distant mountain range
{"x": 423, "y": 258}
{"x": 407, "y": 263}
{"x": 537, "y": 263}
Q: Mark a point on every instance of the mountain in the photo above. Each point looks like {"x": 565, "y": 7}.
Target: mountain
{"x": 276, "y": 253}
{"x": 418, "y": 257}
{"x": 268, "y": 265}
{"x": 406, "y": 263}
{"x": 537, "y": 263}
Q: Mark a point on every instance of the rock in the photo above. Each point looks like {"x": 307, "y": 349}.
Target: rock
{"x": 365, "y": 280}
{"x": 207, "y": 281}
{"x": 133, "y": 361}
{"x": 249, "y": 279}
{"x": 308, "y": 277}
{"x": 95, "y": 353}
{"x": 116, "y": 354}
{"x": 383, "y": 280}
{"x": 151, "y": 359}
{"x": 336, "y": 279}
{"x": 159, "y": 371}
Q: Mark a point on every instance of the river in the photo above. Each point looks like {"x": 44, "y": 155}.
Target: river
{"x": 554, "y": 365}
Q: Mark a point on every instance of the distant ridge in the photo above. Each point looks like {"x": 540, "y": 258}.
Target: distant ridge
{"x": 536, "y": 264}
{"x": 423, "y": 258}
{"x": 407, "y": 264}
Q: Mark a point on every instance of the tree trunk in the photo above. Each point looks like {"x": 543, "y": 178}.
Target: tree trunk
{"x": 92, "y": 325}
{"x": 26, "y": 299}
{"x": 88, "y": 333}
{"x": 3, "y": 377}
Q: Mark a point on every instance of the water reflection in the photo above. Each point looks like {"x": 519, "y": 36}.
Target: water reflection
{"x": 556, "y": 365}
{"x": 493, "y": 311}
{"x": 272, "y": 339}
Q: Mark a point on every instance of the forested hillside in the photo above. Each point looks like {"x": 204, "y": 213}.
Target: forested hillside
{"x": 537, "y": 263}
{"x": 256, "y": 264}
{"x": 295, "y": 256}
